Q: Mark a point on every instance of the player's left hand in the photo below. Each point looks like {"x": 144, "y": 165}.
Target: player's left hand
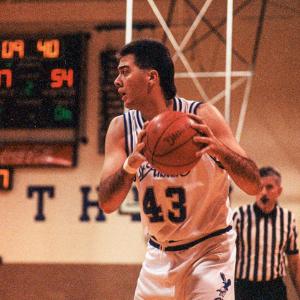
{"x": 212, "y": 145}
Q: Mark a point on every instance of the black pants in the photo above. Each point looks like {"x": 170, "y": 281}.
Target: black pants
{"x": 267, "y": 290}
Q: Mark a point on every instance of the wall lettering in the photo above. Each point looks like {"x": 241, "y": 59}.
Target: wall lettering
{"x": 40, "y": 191}
{"x": 87, "y": 203}
{"x": 129, "y": 207}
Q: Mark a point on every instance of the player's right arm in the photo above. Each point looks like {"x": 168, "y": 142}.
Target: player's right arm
{"x": 115, "y": 182}
{"x": 222, "y": 145}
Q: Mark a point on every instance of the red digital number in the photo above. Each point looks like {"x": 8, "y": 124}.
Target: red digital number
{"x": 9, "y": 48}
{"x": 49, "y": 48}
{"x": 59, "y": 76}
{"x": 4, "y": 173}
{"x": 6, "y": 74}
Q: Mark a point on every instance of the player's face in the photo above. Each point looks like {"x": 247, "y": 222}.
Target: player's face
{"x": 271, "y": 190}
{"x": 131, "y": 82}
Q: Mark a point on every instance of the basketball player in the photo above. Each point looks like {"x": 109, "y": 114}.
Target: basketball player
{"x": 191, "y": 250}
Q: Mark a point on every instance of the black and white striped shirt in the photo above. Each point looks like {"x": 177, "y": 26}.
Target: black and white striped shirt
{"x": 263, "y": 241}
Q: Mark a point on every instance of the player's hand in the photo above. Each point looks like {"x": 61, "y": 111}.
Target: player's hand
{"x": 208, "y": 143}
{"x": 136, "y": 158}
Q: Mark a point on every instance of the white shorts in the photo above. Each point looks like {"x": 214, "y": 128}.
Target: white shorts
{"x": 202, "y": 272}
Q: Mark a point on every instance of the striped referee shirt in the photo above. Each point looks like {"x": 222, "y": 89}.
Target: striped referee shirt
{"x": 263, "y": 241}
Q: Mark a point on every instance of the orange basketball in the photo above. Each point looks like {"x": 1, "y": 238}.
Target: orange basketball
{"x": 169, "y": 145}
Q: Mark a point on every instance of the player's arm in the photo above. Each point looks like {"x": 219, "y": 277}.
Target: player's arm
{"x": 294, "y": 268}
{"x": 115, "y": 182}
{"x": 222, "y": 145}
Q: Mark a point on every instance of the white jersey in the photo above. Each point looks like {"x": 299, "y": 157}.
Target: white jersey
{"x": 183, "y": 207}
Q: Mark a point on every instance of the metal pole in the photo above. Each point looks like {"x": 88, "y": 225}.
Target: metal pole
{"x": 213, "y": 74}
{"x": 243, "y": 109}
{"x": 128, "y": 31}
{"x": 259, "y": 31}
{"x": 228, "y": 59}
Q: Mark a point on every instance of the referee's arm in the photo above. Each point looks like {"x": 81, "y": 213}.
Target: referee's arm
{"x": 292, "y": 253}
{"x": 294, "y": 268}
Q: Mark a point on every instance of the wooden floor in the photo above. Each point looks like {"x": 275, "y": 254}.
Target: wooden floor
{"x": 74, "y": 282}
{"x": 67, "y": 281}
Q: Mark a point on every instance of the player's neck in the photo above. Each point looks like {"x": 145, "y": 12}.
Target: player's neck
{"x": 155, "y": 107}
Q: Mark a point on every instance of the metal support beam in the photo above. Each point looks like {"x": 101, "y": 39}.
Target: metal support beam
{"x": 129, "y": 13}
{"x": 181, "y": 48}
{"x": 228, "y": 59}
{"x": 138, "y": 25}
{"x": 169, "y": 18}
{"x": 243, "y": 109}
{"x": 259, "y": 31}
{"x": 177, "y": 48}
{"x": 213, "y": 29}
{"x": 193, "y": 27}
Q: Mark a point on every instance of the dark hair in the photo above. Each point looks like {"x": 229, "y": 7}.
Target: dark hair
{"x": 269, "y": 171}
{"x": 152, "y": 54}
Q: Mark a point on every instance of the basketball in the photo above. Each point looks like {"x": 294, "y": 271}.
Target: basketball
{"x": 169, "y": 145}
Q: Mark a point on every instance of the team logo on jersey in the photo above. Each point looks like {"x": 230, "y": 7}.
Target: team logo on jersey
{"x": 146, "y": 169}
{"x": 224, "y": 289}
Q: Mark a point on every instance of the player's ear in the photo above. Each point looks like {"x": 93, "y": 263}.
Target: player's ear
{"x": 153, "y": 79}
{"x": 153, "y": 75}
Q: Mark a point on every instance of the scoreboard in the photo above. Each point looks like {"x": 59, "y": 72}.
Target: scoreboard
{"x": 42, "y": 79}
{"x": 42, "y": 91}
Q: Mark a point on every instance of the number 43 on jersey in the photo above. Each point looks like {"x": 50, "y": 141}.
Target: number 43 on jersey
{"x": 177, "y": 197}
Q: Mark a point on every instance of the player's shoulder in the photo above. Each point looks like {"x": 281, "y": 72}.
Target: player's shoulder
{"x": 117, "y": 121}
{"x": 186, "y": 105}
{"x": 131, "y": 114}
{"x": 185, "y": 100}
{"x": 133, "y": 120}
{"x": 209, "y": 110}
{"x": 116, "y": 126}
{"x": 128, "y": 114}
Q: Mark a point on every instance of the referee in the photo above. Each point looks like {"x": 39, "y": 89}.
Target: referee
{"x": 266, "y": 236}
